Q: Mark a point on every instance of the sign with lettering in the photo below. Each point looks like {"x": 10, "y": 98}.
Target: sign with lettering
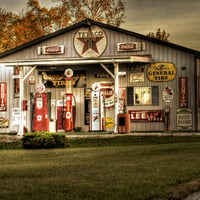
{"x": 46, "y": 50}
{"x": 131, "y": 46}
{"x": 183, "y": 92}
{"x": 146, "y": 115}
{"x": 56, "y": 79}
{"x": 90, "y": 41}
{"x": 160, "y": 72}
{"x": 184, "y": 119}
{"x": 16, "y": 77}
{"x": 3, "y": 97}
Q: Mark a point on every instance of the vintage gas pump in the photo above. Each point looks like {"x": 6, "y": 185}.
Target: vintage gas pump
{"x": 68, "y": 111}
{"x": 167, "y": 118}
{"x": 40, "y": 119}
{"x": 97, "y": 119}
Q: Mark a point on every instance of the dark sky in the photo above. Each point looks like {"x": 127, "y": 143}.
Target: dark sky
{"x": 180, "y": 18}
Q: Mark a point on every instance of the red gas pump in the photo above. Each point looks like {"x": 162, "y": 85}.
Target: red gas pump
{"x": 68, "y": 111}
{"x": 40, "y": 119}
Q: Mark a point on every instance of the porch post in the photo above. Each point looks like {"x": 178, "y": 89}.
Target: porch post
{"x": 116, "y": 82}
{"x": 21, "y": 97}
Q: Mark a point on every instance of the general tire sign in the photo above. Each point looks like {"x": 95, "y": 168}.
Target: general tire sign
{"x": 90, "y": 41}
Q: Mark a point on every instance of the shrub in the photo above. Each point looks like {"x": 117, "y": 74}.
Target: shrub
{"x": 44, "y": 139}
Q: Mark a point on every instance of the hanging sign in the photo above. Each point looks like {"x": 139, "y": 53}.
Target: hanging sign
{"x": 90, "y": 41}
{"x": 160, "y": 72}
{"x": 3, "y": 97}
{"x": 184, "y": 119}
{"x": 183, "y": 92}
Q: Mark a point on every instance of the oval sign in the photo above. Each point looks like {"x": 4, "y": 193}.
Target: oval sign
{"x": 160, "y": 72}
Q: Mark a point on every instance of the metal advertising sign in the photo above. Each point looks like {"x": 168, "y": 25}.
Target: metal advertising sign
{"x": 183, "y": 92}
{"x": 4, "y": 123}
{"x": 47, "y": 50}
{"x": 146, "y": 115}
{"x": 168, "y": 94}
{"x": 16, "y": 77}
{"x": 184, "y": 119}
{"x": 90, "y": 41}
{"x": 160, "y": 72}
{"x": 131, "y": 46}
{"x": 3, "y": 97}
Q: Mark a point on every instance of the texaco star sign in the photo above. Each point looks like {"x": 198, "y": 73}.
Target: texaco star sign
{"x": 90, "y": 41}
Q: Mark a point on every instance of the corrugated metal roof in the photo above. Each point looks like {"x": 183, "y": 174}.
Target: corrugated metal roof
{"x": 88, "y": 22}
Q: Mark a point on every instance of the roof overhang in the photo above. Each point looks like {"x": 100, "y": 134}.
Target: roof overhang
{"x": 78, "y": 61}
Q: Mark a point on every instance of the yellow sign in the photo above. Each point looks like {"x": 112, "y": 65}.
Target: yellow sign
{"x": 160, "y": 72}
{"x": 109, "y": 122}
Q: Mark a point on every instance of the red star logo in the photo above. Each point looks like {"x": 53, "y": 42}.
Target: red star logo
{"x": 90, "y": 42}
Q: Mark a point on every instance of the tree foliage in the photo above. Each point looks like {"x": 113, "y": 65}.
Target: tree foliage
{"x": 38, "y": 21}
{"x": 159, "y": 35}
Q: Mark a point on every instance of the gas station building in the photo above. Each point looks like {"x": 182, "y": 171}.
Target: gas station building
{"x": 93, "y": 76}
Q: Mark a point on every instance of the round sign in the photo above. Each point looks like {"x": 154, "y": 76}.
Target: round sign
{"x": 69, "y": 73}
{"x": 90, "y": 41}
{"x": 168, "y": 94}
{"x": 40, "y": 88}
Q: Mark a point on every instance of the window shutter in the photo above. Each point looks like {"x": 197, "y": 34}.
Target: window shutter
{"x": 155, "y": 95}
{"x": 129, "y": 96}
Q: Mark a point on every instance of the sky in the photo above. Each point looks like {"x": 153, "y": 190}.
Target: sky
{"x": 180, "y": 18}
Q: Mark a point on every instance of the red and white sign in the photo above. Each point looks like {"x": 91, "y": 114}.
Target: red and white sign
{"x": 131, "y": 46}
{"x": 90, "y": 41}
{"x": 3, "y": 97}
{"x": 56, "y": 49}
{"x": 146, "y": 115}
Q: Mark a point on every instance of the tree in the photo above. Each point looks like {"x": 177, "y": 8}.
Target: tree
{"x": 159, "y": 35}
{"x": 38, "y": 21}
{"x": 107, "y": 11}
{"x": 41, "y": 15}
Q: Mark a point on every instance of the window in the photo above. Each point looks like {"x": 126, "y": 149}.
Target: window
{"x": 143, "y": 96}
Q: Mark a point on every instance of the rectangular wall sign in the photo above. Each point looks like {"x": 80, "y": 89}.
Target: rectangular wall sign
{"x": 146, "y": 115}
{"x": 131, "y": 46}
{"x": 183, "y": 92}
{"x": 3, "y": 97}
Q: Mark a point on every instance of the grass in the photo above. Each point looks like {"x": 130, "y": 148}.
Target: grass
{"x": 127, "y": 169}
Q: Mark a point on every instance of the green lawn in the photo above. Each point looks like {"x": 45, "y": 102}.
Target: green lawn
{"x": 99, "y": 173}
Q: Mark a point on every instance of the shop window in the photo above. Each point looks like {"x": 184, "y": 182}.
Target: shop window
{"x": 142, "y": 96}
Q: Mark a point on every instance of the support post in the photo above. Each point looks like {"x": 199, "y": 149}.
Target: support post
{"x": 21, "y": 97}
{"x": 116, "y": 80}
